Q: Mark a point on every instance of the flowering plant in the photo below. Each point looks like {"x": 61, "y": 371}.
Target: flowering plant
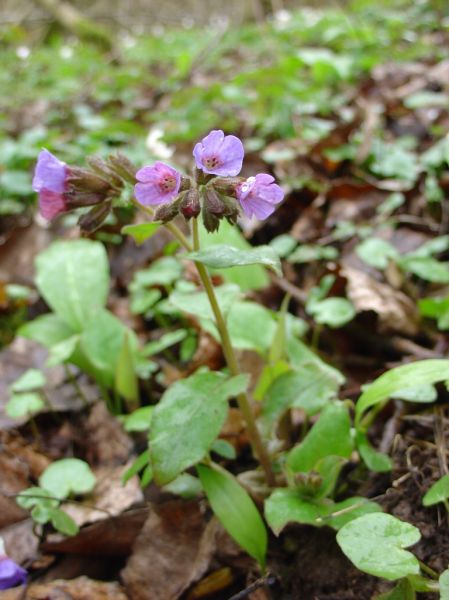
{"x": 11, "y": 574}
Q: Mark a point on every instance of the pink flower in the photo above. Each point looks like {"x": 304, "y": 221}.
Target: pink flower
{"x": 259, "y": 195}
{"x": 219, "y": 154}
{"x": 50, "y": 181}
{"x": 158, "y": 184}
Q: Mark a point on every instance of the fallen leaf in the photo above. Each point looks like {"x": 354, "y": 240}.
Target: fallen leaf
{"x": 108, "y": 442}
{"x": 81, "y": 588}
{"x": 396, "y": 312}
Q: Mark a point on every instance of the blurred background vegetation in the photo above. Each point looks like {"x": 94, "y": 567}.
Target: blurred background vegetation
{"x": 146, "y": 76}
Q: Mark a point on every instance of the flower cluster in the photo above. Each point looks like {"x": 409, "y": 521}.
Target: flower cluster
{"x": 11, "y": 574}
{"x": 215, "y": 187}
{"x": 215, "y": 190}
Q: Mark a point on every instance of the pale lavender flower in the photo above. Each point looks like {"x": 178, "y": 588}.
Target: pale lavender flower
{"x": 159, "y": 183}
{"x": 259, "y": 195}
{"x": 219, "y": 154}
{"x": 50, "y": 181}
{"x": 11, "y": 574}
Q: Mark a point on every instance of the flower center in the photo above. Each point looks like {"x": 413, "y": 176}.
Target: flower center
{"x": 211, "y": 162}
{"x": 167, "y": 183}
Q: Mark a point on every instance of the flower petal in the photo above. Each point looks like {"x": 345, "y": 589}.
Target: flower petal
{"x": 257, "y": 207}
{"x": 50, "y": 173}
{"x": 51, "y": 204}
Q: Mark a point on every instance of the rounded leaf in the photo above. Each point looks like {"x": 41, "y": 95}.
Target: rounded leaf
{"x": 68, "y": 476}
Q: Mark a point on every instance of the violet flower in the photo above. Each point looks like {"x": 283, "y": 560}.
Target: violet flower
{"x": 11, "y": 574}
{"x": 159, "y": 183}
{"x": 259, "y": 195}
{"x": 50, "y": 181}
{"x": 219, "y": 154}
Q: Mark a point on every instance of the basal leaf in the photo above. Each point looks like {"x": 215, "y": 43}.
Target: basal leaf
{"x": 141, "y": 231}
{"x": 375, "y": 544}
{"x": 73, "y": 277}
{"x": 67, "y": 476}
{"x": 187, "y": 420}
{"x": 235, "y": 510}
{"x": 439, "y": 492}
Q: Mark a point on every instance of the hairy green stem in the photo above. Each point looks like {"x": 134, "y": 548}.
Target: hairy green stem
{"x": 228, "y": 351}
{"x": 231, "y": 360}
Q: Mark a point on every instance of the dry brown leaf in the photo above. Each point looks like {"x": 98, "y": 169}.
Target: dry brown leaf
{"x": 396, "y": 312}
{"x": 21, "y": 543}
{"x": 109, "y": 498}
{"x": 173, "y": 550}
{"x": 108, "y": 442}
{"x": 81, "y": 588}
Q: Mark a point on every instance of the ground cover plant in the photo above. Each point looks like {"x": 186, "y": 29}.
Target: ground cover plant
{"x": 224, "y": 371}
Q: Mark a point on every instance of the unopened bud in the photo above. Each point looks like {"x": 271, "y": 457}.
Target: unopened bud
{"x": 213, "y": 203}
{"x": 167, "y": 212}
{"x": 211, "y": 222}
{"x": 227, "y": 185}
{"x": 82, "y": 179}
{"x": 104, "y": 170}
{"x": 92, "y": 220}
{"x": 190, "y": 204}
{"x": 186, "y": 183}
{"x": 123, "y": 167}
{"x": 232, "y": 209}
{"x": 76, "y": 199}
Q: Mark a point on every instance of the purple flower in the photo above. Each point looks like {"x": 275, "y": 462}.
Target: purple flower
{"x": 159, "y": 184}
{"x": 219, "y": 154}
{"x": 50, "y": 181}
{"x": 259, "y": 195}
{"x": 10, "y": 572}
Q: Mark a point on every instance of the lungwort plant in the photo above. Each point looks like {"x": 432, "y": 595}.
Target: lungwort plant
{"x": 298, "y": 481}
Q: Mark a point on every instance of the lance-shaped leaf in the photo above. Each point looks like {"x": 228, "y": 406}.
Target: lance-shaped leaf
{"x": 222, "y": 256}
{"x": 375, "y": 544}
{"x": 235, "y": 510}
{"x": 187, "y": 420}
{"x": 73, "y": 277}
{"x": 141, "y": 231}
{"x": 406, "y": 376}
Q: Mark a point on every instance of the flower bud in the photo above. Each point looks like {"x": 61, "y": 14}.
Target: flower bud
{"x": 77, "y": 199}
{"x": 186, "y": 183}
{"x": 190, "y": 204}
{"x": 213, "y": 202}
{"x": 168, "y": 211}
{"x": 123, "y": 167}
{"x": 92, "y": 220}
{"x": 227, "y": 185}
{"x": 82, "y": 179}
{"x": 104, "y": 170}
{"x": 211, "y": 222}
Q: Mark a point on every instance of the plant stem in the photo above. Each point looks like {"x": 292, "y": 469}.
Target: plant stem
{"x": 427, "y": 570}
{"x": 228, "y": 351}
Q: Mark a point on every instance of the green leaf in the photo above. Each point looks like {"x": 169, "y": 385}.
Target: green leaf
{"x": 72, "y": 276}
{"x": 63, "y": 523}
{"x": 250, "y": 277}
{"x": 63, "y": 351}
{"x": 426, "y": 268}
{"x": 168, "y": 339}
{"x": 221, "y": 256}
{"x": 126, "y": 382}
{"x": 251, "y": 326}
{"x": 138, "y": 420}
{"x": 164, "y": 271}
{"x": 334, "y": 312}
{"x": 48, "y": 330}
{"x": 36, "y": 495}
{"x": 224, "y": 449}
{"x": 283, "y": 244}
{"x": 235, "y": 510}
{"x": 308, "y": 253}
{"x": 419, "y": 393}
{"x": 286, "y": 506}
{"x": 418, "y": 373}
{"x": 330, "y": 436}
{"x": 377, "y": 252}
{"x": 436, "y": 308}
{"x": 187, "y": 420}
{"x": 375, "y": 544}
{"x": 67, "y": 476}
{"x": 102, "y": 343}
{"x": 403, "y": 591}
{"x": 309, "y": 388}
{"x": 439, "y": 492}
{"x": 197, "y": 303}
{"x": 31, "y": 380}
{"x": 374, "y": 460}
{"x": 140, "y": 463}
{"x": 24, "y": 405}
{"x": 141, "y": 231}
{"x": 185, "y": 485}
{"x": 444, "y": 585}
